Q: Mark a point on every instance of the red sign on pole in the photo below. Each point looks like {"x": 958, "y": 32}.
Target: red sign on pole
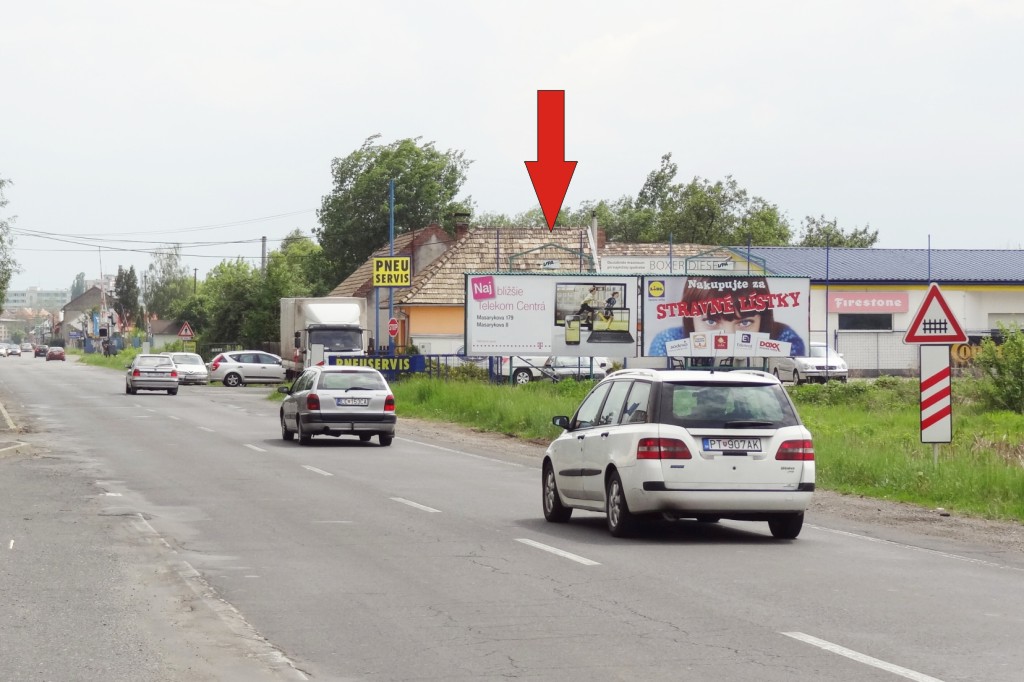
{"x": 186, "y": 333}
{"x": 393, "y": 327}
{"x": 934, "y": 321}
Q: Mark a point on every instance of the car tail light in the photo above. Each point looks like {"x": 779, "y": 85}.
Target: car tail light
{"x": 389, "y": 404}
{"x": 174, "y": 373}
{"x": 802, "y": 450}
{"x": 312, "y": 401}
{"x": 216, "y": 362}
{"x": 136, "y": 372}
{"x": 662, "y": 448}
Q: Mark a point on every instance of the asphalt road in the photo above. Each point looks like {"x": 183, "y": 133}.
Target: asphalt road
{"x": 152, "y": 537}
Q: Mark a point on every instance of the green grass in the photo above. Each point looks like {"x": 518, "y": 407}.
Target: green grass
{"x": 867, "y": 437}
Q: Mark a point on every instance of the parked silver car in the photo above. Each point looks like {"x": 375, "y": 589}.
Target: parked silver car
{"x": 338, "y": 401}
{"x": 820, "y": 364}
{"x": 150, "y": 372}
{"x": 240, "y": 367}
{"x": 191, "y": 369}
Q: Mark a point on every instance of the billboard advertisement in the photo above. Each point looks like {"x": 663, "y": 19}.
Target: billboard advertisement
{"x": 725, "y": 316}
{"x": 551, "y": 315}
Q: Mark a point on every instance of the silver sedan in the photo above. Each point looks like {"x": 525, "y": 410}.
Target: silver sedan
{"x": 151, "y": 373}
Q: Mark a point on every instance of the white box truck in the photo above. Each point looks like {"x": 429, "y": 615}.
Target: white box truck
{"x": 317, "y": 330}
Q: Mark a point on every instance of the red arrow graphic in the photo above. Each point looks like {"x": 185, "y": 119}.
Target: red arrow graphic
{"x": 551, "y": 173}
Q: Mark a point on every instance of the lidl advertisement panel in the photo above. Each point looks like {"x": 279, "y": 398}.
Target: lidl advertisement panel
{"x": 551, "y": 315}
{"x": 725, "y": 316}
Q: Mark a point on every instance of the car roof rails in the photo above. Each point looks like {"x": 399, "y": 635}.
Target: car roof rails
{"x": 643, "y": 371}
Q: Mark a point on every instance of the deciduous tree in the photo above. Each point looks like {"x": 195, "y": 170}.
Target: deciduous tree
{"x": 354, "y": 216}
{"x": 8, "y": 265}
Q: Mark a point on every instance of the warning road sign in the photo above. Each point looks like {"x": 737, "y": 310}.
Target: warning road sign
{"x": 934, "y": 322}
{"x": 186, "y": 332}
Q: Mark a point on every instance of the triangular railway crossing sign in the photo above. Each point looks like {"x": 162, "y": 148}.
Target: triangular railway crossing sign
{"x": 934, "y": 322}
{"x": 186, "y": 332}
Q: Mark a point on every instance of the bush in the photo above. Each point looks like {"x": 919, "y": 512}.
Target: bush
{"x": 1002, "y": 387}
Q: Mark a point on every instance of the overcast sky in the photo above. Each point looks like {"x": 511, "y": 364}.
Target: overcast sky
{"x": 131, "y": 124}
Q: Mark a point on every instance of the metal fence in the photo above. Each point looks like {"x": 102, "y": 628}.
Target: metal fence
{"x": 876, "y": 353}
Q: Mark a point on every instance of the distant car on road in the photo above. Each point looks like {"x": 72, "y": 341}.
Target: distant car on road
{"x": 14, "y": 349}
{"x": 338, "y": 401}
{"x": 40, "y": 351}
{"x": 55, "y": 353}
{"x": 191, "y": 369}
{"x": 26, "y": 349}
{"x": 150, "y": 372}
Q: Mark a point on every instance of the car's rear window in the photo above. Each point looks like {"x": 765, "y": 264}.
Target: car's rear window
{"x": 343, "y": 381}
{"x": 726, "y": 405}
{"x": 152, "y": 361}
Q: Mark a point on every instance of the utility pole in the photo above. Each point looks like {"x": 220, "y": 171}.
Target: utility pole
{"x": 195, "y": 279}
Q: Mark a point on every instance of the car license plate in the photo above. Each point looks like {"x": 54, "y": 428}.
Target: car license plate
{"x": 351, "y": 402}
{"x": 732, "y": 444}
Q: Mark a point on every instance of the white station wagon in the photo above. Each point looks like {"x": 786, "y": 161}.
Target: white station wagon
{"x": 705, "y": 445}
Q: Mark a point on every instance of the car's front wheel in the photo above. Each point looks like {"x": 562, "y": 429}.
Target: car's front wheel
{"x": 554, "y": 510}
{"x": 285, "y": 433}
{"x": 796, "y": 378}
{"x": 233, "y": 380}
{"x": 786, "y": 526}
{"x": 621, "y": 522}
{"x": 365, "y": 437}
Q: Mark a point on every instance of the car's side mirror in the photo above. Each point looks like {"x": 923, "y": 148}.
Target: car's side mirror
{"x": 284, "y": 389}
{"x": 561, "y": 421}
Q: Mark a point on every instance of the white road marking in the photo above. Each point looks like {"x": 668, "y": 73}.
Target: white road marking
{"x": 203, "y": 428}
{"x": 460, "y": 452}
{"x": 416, "y": 505}
{"x": 11, "y": 546}
{"x": 253, "y": 447}
{"x": 171, "y": 416}
{"x": 112, "y": 494}
{"x": 862, "y": 658}
{"x": 317, "y": 471}
{"x": 934, "y": 552}
{"x": 560, "y": 552}
{"x": 7, "y": 418}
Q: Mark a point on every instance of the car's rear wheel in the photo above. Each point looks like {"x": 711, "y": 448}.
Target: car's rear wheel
{"x": 285, "y": 433}
{"x": 707, "y": 518}
{"x": 385, "y": 440}
{"x": 796, "y": 378}
{"x": 127, "y": 389}
{"x": 233, "y": 380}
{"x": 522, "y": 376}
{"x": 786, "y": 526}
{"x": 621, "y": 521}
{"x": 304, "y": 438}
{"x": 364, "y": 437}
{"x": 554, "y": 510}
{"x": 172, "y": 391}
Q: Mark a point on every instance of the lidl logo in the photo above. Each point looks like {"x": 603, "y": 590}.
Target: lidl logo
{"x": 656, "y": 288}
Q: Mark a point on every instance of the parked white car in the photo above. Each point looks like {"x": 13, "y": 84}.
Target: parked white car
{"x": 524, "y": 369}
{"x": 821, "y": 364}
{"x": 191, "y": 369}
{"x": 240, "y": 367}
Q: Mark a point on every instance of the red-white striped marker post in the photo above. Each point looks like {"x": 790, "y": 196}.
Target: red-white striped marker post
{"x": 936, "y": 395}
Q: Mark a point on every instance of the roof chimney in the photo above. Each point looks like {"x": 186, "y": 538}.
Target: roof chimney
{"x": 461, "y": 224}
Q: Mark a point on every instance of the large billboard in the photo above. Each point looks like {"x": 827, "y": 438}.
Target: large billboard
{"x": 725, "y": 316}
{"x": 581, "y": 315}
